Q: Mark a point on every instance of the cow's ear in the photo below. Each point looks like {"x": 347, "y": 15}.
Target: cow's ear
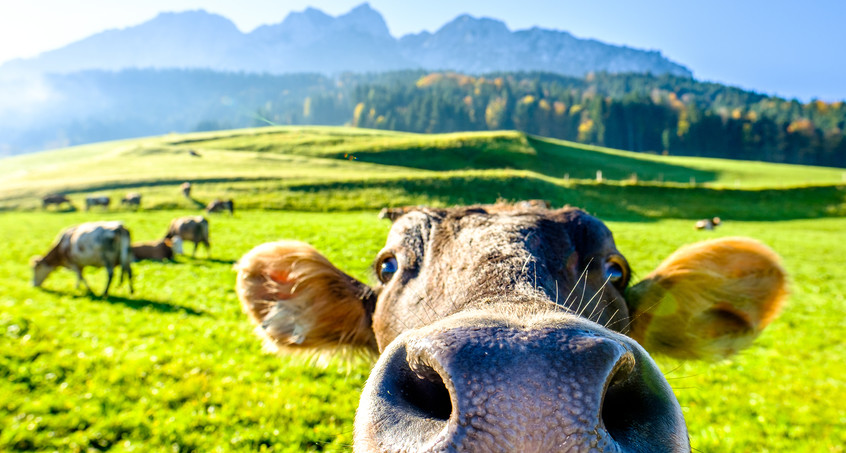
{"x": 300, "y": 301}
{"x": 708, "y": 300}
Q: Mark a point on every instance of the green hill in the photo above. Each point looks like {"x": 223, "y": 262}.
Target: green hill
{"x": 335, "y": 168}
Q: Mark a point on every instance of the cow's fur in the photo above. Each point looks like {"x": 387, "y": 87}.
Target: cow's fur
{"x": 97, "y": 244}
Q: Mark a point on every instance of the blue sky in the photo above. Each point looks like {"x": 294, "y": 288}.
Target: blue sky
{"x": 788, "y": 48}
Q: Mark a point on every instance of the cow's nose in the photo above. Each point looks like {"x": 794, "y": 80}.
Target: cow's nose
{"x": 501, "y": 388}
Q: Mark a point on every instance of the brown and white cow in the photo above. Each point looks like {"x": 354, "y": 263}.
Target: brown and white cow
{"x": 185, "y": 187}
{"x": 501, "y": 328}
{"x": 220, "y": 206}
{"x": 191, "y": 229}
{"x": 160, "y": 250}
{"x": 97, "y": 244}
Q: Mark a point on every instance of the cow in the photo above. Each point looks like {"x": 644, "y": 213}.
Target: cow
{"x": 707, "y": 224}
{"x": 193, "y": 229}
{"x": 186, "y": 189}
{"x": 132, "y": 200}
{"x": 160, "y": 250}
{"x": 98, "y": 244}
{"x": 501, "y": 328}
{"x": 220, "y": 206}
{"x": 55, "y": 199}
{"x": 103, "y": 201}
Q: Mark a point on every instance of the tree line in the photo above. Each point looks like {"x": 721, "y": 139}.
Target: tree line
{"x": 664, "y": 114}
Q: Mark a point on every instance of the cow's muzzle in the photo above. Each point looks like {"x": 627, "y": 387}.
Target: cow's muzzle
{"x": 481, "y": 384}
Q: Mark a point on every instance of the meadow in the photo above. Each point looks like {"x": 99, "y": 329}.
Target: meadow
{"x": 176, "y": 367}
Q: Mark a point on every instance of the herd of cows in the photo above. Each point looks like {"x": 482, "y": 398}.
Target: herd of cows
{"x": 508, "y": 326}
{"x": 107, "y": 244}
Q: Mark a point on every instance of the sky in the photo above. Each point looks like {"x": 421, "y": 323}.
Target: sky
{"x": 785, "y": 48}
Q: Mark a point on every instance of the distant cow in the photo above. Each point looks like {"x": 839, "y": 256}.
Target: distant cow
{"x": 55, "y": 199}
{"x": 97, "y": 201}
{"x": 132, "y": 199}
{"x": 220, "y": 206}
{"x": 191, "y": 229}
{"x": 186, "y": 189}
{"x": 160, "y": 250}
{"x": 707, "y": 224}
{"x": 98, "y": 244}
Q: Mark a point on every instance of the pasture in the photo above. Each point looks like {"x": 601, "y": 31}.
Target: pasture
{"x": 176, "y": 367}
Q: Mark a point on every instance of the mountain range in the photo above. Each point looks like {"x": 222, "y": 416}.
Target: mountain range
{"x": 358, "y": 41}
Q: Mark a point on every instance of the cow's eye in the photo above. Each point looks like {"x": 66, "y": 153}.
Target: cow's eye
{"x": 386, "y": 268}
{"x": 616, "y": 271}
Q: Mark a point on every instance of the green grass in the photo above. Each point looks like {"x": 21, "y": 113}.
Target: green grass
{"x": 176, "y": 367}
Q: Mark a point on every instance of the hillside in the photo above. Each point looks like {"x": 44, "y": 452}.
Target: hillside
{"x": 324, "y": 168}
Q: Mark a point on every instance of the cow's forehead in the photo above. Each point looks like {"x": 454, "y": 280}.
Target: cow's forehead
{"x": 419, "y": 229}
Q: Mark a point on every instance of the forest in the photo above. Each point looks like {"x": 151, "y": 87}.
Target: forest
{"x": 663, "y": 115}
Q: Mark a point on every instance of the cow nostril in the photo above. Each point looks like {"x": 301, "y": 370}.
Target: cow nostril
{"x": 633, "y": 400}
{"x": 424, "y": 390}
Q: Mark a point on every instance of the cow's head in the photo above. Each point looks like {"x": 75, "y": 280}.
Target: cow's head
{"x": 40, "y": 270}
{"x": 513, "y": 328}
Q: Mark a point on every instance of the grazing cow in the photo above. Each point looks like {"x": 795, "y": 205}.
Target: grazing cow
{"x": 707, "y": 224}
{"x": 98, "y": 244}
{"x": 160, "y": 250}
{"x": 501, "y": 328}
{"x": 193, "y": 229}
{"x": 186, "y": 189}
{"x": 55, "y": 199}
{"x": 220, "y": 206}
{"x": 132, "y": 199}
{"x": 103, "y": 201}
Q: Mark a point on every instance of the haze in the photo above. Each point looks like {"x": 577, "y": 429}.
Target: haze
{"x": 775, "y": 47}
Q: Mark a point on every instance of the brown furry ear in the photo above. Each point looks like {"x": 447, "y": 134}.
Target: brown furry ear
{"x": 299, "y": 300}
{"x": 708, "y": 300}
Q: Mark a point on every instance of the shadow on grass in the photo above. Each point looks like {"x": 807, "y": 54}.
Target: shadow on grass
{"x": 197, "y": 203}
{"x": 135, "y": 304}
{"x": 611, "y": 201}
{"x": 203, "y": 259}
{"x": 526, "y": 152}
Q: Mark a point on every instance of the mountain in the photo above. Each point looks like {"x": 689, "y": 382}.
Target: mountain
{"x": 472, "y": 45}
{"x": 358, "y": 41}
